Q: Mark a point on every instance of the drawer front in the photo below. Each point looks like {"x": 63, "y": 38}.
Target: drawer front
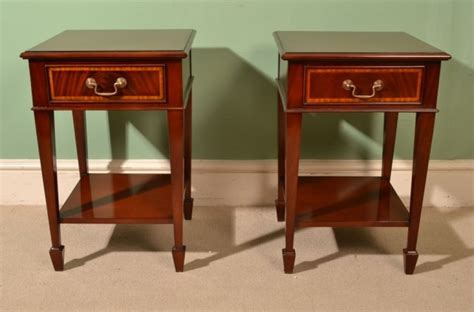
{"x": 107, "y": 83}
{"x": 357, "y": 84}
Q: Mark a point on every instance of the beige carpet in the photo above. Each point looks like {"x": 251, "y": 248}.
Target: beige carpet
{"x": 234, "y": 263}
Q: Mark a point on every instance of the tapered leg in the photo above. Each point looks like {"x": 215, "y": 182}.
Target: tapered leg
{"x": 80, "y": 132}
{"x": 389, "y": 135}
{"x": 423, "y": 137}
{"x": 44, "y": 121}
{"x": 188, "y": 200}
{"x": 280, "y": 202}
{"x": 176, "y": 142}
{"x": 118, "y": 137}
{"x": 292, "y": 153}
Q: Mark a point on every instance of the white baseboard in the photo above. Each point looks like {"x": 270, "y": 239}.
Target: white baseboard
{"x": 232, "y": 166}
{"x": 242, "y": 182}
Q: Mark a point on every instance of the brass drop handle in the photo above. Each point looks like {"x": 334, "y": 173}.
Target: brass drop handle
{"x": 349, "y": 85}
{"x": 120, "y": 83}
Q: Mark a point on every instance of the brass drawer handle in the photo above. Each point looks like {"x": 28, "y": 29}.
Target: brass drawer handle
{"x": 120, "y": 83}
{"x": 376, "y": 86}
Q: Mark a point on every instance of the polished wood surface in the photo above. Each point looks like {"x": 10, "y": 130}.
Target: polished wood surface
{"x": 176, "y": 88}
{"x": 142, "y": 43}
{"x": 400, "y": 84}
{"x": 45, "y": 131}
{"x": 119, "y": 198}
{"x": 297, "y": 85}
{"x": 188, "y": 200}
{"x": 421, "y": 155}
{"x": 280, "y": 201}
{"x": 144, "y": 83}
{"x": 324, "y": 45}
{"x": 80, "y": 133}
{"x": 176, "y": 124}
{"x": 312, "y": 67}
{"x": 348, "y": 202}
{"x": 388, "y": 146}
{"x": 153, "y": 63}
{"x": 292, "y": 155}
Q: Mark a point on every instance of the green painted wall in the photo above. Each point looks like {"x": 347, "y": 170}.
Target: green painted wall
{"x": 235, "y": 66}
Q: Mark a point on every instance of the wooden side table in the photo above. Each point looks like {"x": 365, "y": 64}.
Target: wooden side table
{"x": 115, "y": 70}
{"x": 353, "y": 72}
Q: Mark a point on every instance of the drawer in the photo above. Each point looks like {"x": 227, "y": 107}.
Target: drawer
{"x": 107, "y": 83}
{"x": 361, "y": 84}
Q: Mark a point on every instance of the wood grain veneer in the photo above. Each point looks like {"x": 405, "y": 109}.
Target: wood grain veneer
{"x": 401, "y": 84}
{"x": 144, "y": 83}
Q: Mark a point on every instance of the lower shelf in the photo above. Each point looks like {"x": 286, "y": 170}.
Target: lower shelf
{"x": 119, "y": 198}
{"x": 348, "y": 201}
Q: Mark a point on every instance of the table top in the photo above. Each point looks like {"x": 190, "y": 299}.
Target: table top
{"x": 345, "y": 45}
{"x": 86, "y": 43}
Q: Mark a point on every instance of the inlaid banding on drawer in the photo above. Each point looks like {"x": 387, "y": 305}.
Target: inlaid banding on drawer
{"x": 324, "y": 85}
{"x": 143, "y": 83}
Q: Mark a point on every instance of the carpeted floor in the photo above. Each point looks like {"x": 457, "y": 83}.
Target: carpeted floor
{"x": 234, "y": 263}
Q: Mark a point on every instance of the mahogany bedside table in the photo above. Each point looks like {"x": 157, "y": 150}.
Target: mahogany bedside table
{"x": 115, "y": 70}
{"x": 353, "y": 72}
